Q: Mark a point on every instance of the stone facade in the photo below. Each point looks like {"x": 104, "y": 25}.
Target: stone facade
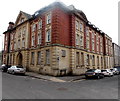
{"x": 116, "y": 54}
{"x": 56, "y": 40}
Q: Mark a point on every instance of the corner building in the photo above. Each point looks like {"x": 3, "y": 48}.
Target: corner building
{"x": 57, "y": 40}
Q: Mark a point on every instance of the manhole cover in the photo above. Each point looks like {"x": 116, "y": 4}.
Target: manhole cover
{"x": 62, "y": 88}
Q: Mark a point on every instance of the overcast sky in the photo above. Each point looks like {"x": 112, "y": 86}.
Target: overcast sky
{"x": 102, "y": 13}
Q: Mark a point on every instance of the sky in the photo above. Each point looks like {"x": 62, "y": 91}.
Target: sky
{"x": 102, "y": 13}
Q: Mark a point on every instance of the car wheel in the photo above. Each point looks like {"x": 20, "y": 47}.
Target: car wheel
{"x": 13, "y": 72}
{"x": 7, "y": 71}
{"x": 103, "y": 76}
{"x": 98, "y": 77}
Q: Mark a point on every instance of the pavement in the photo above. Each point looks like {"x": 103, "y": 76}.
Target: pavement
{"x": 55, "y": 79}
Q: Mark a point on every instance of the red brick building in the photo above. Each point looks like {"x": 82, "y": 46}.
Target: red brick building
{"x": 57, "y": 40}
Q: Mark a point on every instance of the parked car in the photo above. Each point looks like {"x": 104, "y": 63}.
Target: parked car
{"x": 115, "y": 71}
{"x": 2, "y": 66}
{"x": 16, "y": 70}
{"x": 107, "y": 72}
{"x": 95, "y": 73}
{"x": 5, "y": 67}
{"x": 118, "y": 68}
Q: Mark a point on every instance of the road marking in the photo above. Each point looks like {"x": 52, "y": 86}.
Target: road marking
{"x": 56, "y": 79}
{"x": 78, "y": 80}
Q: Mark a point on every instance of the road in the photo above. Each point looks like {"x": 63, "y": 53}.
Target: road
{"x": 24, "y": 87}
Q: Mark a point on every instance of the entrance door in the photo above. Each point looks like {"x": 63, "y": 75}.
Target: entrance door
{"x": 19, "y": 59}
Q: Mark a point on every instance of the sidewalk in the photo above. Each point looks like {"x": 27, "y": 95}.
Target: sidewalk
{"x": 55, "y": 79}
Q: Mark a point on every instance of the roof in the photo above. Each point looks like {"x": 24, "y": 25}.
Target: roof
{"x": 70, "y": 8}
{"x": 26, "y": 14}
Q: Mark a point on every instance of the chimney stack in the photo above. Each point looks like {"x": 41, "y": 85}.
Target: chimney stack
{"x": 11, "y": 25}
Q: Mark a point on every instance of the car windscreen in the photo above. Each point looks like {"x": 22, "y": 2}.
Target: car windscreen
{"x": 91, "y": 70}
{"x": 103, "y": 70}
{"x": 19, "y": 67}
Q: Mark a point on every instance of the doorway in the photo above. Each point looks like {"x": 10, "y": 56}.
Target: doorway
{"x": 19, "y": 59}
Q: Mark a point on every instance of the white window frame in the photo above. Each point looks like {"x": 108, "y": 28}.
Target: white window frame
{"x": 48, "y": 18}
{"x": 87, "y": 43}
{"x": 22, "y": 20}
{"x": 77, "y": 24}
{"x": 39, "y": 58}
{"x": 6, "y": 38}
{"x": 40, "y": 24}
{"x": 81, "y": 40}
{"x": 93, "y": 45}
{"x": 48, "y": 57}
{"x": 23, "y": 43}
{"x": 77, "y": 39}
{"x": 88, "y": 59}
{"x": 39, "y": 37}
{"x": 82, "y": 59}
{"x": 33, "y": 27}
{"x": 63, "y": 53}
{"x": 24, "y": 30}
{"x": 93, "y": 60}
{"x": 48, "y": 35}
{"x": 12, "y": 36}
{"x": 87, "y": 32}
{"x": 18, "y": 43}
{"x": 11, "y": 46}
{"x": 77, "y": 58}
{"x": 93, "y": 35}
{"x": 33, "y": 40}
{"x": 81, "y": 26}
{"x": 14, "y": 45}
{"x": 20, "y": 32}
{"x": 32, "y": 57}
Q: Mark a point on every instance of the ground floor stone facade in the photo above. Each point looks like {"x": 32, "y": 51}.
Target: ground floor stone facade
{"x": 58, "y": 60}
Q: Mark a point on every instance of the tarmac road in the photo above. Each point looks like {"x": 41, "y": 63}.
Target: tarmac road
{"x": 24, "y": 87}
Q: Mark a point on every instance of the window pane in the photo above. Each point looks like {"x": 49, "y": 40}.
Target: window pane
{"x": 82, "y": 59}
{"x": 77, "y": 58}
{"x": 32, "y": 58}
{"x": 77, "y": 24}
{"x": 81, "y": 27}
{"x": 39, "y": 37}
{"x": 47, "y": 57}
{"x": 39, "y": 57}
{"x": 48, "y": 18}
{"x": 48, "y": 36}
{"x": 32, "y": 40}
{"x": 40, "y": 24}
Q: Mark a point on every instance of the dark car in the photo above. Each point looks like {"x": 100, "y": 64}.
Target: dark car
{"x": 5, "y": 68}
{"x": 94, "y": 73}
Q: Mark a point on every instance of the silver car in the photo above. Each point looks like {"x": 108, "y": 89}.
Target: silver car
{"x": 16, "y": 69}
{"x": 115, "y": 71}
{"x": 107, "y": 72}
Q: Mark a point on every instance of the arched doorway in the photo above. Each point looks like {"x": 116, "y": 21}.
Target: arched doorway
{"x": 19, "y": 59}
